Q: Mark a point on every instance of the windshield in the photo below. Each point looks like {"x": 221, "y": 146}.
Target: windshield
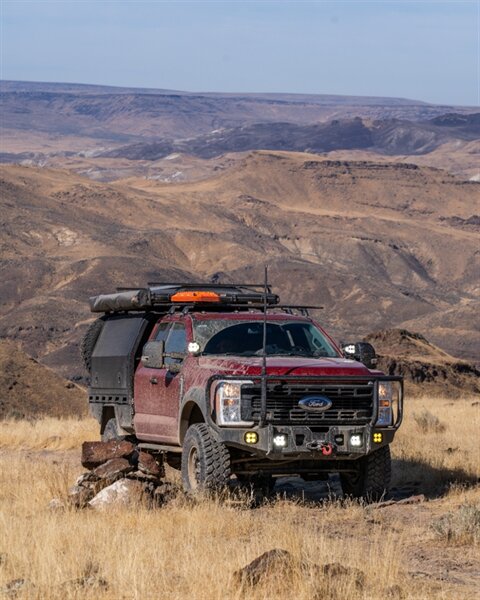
{"x": 245, "y": 338}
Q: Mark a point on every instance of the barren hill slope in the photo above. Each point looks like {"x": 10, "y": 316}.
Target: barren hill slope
{"x": 29, "y": 389}
{"x": 377, "y": 244}
{"x": 386, "y": 136}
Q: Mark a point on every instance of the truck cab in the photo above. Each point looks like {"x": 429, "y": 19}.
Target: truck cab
{"x": 224, "y": 381}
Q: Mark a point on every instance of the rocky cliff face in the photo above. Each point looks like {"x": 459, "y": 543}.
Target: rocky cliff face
{"x": 411, "y": 355}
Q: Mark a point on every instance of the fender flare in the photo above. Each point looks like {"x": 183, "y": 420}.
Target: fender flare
{"x": 194, "y": 399}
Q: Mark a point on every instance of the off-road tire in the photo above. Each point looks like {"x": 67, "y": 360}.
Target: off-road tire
{"x": 205, "y": 461}
{"x": 372, "y": 479}
{"x": 110, "y": 431}
{"x": 89, "y": 341}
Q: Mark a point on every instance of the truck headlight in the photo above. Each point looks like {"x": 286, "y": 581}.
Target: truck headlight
{"x": 228, "y": 401}
{"x": 388, "y": 401}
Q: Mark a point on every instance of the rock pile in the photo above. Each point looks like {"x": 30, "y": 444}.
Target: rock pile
{"x": 119, "y": 474}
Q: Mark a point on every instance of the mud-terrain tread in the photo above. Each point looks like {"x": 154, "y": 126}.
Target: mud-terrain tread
{"x": 215, "y": 456}
{"x": 373, "y": 478}
{"x": 378, "y": 471}
{"x": 89, "y": 341}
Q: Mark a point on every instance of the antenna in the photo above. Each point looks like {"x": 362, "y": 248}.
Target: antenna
{"x": 263, "y": 397}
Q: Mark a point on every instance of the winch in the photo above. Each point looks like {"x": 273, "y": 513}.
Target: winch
{"x": 326, "y": 448}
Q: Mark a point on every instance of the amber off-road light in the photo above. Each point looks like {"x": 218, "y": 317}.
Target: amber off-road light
{"x": 251, "y": 437}
{"x": 378, "y": 437}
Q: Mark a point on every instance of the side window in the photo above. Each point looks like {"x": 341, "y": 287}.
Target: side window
{"x": 176, "y": 343}
{"x": 162, "y": 331}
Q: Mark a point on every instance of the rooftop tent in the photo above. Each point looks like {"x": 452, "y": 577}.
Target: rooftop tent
{"x": 121, "y": 301}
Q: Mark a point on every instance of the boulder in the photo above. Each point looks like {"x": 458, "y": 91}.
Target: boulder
{"x": 141, "y": 476}
{"x": 268, "y": 564}
{"x": 267, "y": 567}
{"x": 91, "y": 578}
{"x": 79, "y": 496}
{"x": 148, "y": 464}
{"x": 163, "y": 493}
{"x": 56, "y": 504}
{"x": 85, "y": 479}
{"x": 418, "y": 499}
{"x": 335, "y": 571}
{"x": 97, "y": 453}
{"x": 14, "y": 587}
{"x": 113, "y": 469}
{"x": 123, "y": 492}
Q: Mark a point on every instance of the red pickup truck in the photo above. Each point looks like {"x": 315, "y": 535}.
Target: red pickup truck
{"x": 223, "y": 381}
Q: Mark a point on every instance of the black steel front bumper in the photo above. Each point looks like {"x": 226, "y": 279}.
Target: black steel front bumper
{"x": 303, "y": 442}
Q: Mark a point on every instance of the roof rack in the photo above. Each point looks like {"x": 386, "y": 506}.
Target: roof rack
{"x": 203, "y": 285}
{"x": 162, "y": 296}
{"x": 287, "y": 308}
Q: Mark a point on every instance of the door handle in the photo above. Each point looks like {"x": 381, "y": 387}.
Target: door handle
{"x": 153, "y": 380}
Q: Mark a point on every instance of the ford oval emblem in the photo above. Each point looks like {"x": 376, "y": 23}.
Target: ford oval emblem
{"x": 315, "y": 403}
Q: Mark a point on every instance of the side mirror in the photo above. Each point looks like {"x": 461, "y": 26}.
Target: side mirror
{"x": 361, "y": 351}
{"x": 174, "y": 367}
{"x": 152, "y": 355}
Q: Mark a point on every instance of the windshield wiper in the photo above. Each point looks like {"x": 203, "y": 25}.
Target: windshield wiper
{"x": 293, "y": 353}
{"x": 228, "y": 354}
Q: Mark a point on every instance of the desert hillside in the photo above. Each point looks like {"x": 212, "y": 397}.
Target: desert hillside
{"x": 376, "y": 244}
{"x": 30, "y": 390}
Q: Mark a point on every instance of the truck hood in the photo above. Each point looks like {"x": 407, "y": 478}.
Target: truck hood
{"x": 284, "y": 365}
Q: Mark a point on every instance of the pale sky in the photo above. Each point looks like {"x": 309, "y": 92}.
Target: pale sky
{"x": 426, "y": 50}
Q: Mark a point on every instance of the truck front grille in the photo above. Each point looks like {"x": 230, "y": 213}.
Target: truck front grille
{"x": 352, "y": 403}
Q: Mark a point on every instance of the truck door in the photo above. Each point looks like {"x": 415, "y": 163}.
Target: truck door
{"x": 158, "y": 391}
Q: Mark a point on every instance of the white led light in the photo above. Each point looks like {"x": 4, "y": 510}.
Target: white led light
{"x": 356, "y": 440}
{"x": 280, "y": 440}
{"x": 193, "y": 347}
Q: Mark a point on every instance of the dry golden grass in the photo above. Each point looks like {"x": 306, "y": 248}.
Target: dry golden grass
{"x": 47, "y": 433}
{"x": 436, "y": 457}
{"x": 190, "y": 550}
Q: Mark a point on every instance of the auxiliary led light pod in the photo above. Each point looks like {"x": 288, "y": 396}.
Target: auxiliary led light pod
{"x": 251, "y": 437}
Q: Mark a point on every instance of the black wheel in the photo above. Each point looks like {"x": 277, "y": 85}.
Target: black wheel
{"x": 89, "y": 341}
{"x": 110, "y": 432}
{"x": 372, "y": 477}
{"x": 205, "y": 461}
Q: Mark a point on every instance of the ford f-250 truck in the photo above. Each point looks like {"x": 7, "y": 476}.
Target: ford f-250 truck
{"x": 223, "y": 380}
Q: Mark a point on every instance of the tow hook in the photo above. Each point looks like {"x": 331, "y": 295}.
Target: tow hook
{"x": 324, "y": 447}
